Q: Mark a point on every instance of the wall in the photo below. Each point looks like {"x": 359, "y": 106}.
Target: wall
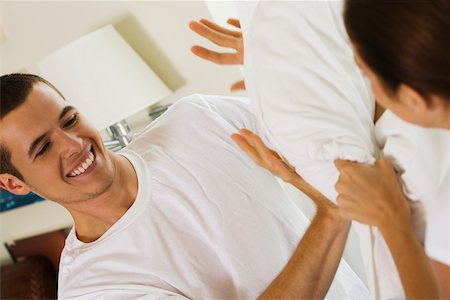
{"x": 157, "y": 30}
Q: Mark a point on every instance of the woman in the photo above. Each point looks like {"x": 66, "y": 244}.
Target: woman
{"x": 402, "y": 47}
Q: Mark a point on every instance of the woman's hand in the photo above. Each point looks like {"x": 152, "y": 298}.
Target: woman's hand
{"x": 372, "y": 194}
{"x": 225, "y": 38}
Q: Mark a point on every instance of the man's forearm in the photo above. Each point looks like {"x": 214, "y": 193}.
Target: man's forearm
{"x": 312, "y": 267}
{"x": 331, "y": 261}
{"x": 332, "y": 258}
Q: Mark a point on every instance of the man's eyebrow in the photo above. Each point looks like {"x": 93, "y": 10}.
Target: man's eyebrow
{"x": 41, "y": 137}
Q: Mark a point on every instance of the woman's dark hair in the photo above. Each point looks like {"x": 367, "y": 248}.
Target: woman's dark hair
{"x": 14, "y": 89}
{"x": 403, "y": 41}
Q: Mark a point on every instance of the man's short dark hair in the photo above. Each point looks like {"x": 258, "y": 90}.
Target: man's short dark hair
{"x": 14, "y": 89}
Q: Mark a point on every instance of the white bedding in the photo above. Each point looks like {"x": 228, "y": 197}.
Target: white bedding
{"x": 315, "y": 106}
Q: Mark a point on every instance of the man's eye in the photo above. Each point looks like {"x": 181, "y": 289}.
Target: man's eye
{"x": 43, "y": 149}
{"x": 71, "y": 121}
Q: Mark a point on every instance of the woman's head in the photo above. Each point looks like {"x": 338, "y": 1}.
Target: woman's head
{"x": 403, "y": 47}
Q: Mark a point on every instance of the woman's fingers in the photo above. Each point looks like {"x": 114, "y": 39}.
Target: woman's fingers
{"x": 222, "y": 29}
{"x": 215, "y": 57}
{"x": 214, "y": 36}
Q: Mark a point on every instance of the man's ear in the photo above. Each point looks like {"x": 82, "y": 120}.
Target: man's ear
{"x": 412, "y": 99}
{"x": 13, "y": 184}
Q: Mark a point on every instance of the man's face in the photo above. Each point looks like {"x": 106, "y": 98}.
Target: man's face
{"x": 60, "y": 155}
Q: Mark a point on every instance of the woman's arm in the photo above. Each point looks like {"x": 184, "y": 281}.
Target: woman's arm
{"x": 312, "y": 267}
{"x": 413, "y": 265}
{"x": 372, "y": 194}
{"x": 442, "y": 272}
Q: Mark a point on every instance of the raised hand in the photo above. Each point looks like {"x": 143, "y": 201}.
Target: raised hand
{"x": 222, "y": 37}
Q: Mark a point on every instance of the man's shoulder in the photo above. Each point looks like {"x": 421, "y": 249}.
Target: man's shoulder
{"x": 230, "y": 109}
{"x": 202, "y": 109}
{"x": 193, "y": 114}
{"x": 216, "y": 103}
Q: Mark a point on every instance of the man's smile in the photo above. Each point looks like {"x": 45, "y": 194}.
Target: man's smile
{"x": 84, "y": 165}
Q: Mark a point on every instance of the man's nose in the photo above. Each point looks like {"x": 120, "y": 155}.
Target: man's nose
{"x": 70, "y": 143}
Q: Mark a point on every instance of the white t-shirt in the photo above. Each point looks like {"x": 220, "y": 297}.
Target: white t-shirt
{"x": 422, "y": 156}
{"x": 315, "y": 106}
{"x": 207, "y": 223}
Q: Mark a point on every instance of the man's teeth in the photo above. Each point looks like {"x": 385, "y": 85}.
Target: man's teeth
{"x": 81, "y": 169}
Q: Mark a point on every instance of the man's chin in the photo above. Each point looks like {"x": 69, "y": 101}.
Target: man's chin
{"x": 82, "y": 197}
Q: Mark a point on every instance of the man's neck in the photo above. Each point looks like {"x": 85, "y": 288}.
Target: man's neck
{"x": 94, "y": 217}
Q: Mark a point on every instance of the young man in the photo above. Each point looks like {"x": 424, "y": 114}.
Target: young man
{"x": 180, "y": 212}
